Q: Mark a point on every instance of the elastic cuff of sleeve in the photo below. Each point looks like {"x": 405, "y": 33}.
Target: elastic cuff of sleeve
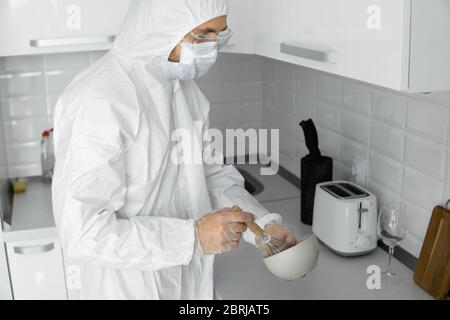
{"x": 197, "y": 247}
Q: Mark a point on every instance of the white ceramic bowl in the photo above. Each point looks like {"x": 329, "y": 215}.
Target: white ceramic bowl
{"x": 295, "y": 262}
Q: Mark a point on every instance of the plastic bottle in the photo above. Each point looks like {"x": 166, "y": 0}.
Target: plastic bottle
{"x": 47, "y": 156}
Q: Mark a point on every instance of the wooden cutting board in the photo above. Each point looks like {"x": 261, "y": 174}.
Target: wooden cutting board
{"x": 433, "y": 268}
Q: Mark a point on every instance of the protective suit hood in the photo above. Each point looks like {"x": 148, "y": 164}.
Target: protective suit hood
{"x": 149, "y": 33}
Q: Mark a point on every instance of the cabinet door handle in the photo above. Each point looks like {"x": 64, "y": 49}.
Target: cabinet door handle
{"x": 72, "y": 41}
{"x": 303, "y": 51}
{"x": 26, "y": 251}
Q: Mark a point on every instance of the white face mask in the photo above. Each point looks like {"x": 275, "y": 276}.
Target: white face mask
{"x": 195, "y": 61}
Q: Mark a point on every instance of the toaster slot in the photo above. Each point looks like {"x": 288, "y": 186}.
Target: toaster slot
{"x": 345, "y": 191}
{"x": 336, "y": 191}
{"x": 353, "y": 189}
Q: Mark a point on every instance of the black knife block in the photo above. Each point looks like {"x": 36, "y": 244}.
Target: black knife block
{"x": 313, "y": 172}
{"x": 315, "y": 169}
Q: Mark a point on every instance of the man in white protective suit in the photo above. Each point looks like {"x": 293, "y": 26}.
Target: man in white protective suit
{"x": 141, "y": 225}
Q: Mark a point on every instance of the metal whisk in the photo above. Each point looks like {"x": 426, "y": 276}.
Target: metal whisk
{"x": 272, "y": 245}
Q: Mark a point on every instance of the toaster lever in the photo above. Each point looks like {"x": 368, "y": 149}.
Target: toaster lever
{"x": 361, "y": 210}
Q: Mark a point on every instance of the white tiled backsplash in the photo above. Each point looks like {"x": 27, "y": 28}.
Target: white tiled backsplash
{"x": 3, "y": 160}
{"x": 31, "y": 85}
{"x": 404, "y": 138}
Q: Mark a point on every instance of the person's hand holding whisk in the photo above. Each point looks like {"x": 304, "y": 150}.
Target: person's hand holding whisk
{"x": 282, "y": 238}
{"x": 274, "y": 239}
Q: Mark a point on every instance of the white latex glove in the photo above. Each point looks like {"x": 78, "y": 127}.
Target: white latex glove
{"x": 221, "y": 231}
{"x": 282, "y": 233}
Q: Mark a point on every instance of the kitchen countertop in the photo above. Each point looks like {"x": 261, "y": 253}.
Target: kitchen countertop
{"x": 32, "y": 215}
{"x": 242, "y": 275}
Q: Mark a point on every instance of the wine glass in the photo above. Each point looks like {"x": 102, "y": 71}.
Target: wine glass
{"x": 392, "y": 230}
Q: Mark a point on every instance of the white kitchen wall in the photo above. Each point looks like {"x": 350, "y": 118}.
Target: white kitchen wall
{"x": 234, "y": 88}
{"x": 3, "y": 160}
{"x": 31, "y": 85}
{"x": 404, "y": 138}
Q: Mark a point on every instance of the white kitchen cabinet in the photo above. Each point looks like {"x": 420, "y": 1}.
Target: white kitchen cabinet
{"x": 48, "y": 26}
{"x": 399, "y": 44}
{"x": 36, "y": 269}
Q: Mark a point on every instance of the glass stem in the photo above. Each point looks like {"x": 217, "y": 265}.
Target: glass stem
{"x": 391, "y": 253}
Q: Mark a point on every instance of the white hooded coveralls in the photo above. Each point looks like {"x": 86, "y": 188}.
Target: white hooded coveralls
{"x": 124, "y": 210}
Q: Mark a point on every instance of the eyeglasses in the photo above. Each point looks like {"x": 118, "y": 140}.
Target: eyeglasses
{"x": 222, "y": 38}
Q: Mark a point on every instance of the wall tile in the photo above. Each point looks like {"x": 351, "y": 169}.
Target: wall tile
{"x": 448, "y": 130}
{"x": 350, "y": 151}
{"x": 213, "y": 91}
{"x": 328, "y": 116}
{"x": 24, "y": 108}
{"x": 268, "y": 71}
{"x": 284, "y": 99}
{"x": 419, "y": 220}
{"x": 23, "y": 131}
{"x": 21, "y": 64}
{"x": 329, "y": 143}
{"x": 341, "y": 172}
{"x": 356, "y": 97}
{"x": 422, "y": 190}
{"x": 412, "y": 245}
{"x": 305, "y": 81}
{"x": 216, "y": 116}
{"x": 385, "y": 197}
{"x": 428, "y": 120}
{"x": 425, "y": 155}
{"x": 387, "y": 140}
{"x": 24, "y": 154}
{"x": 297, "y": 132}
{"x": 389, "y": 107}
{"x": 446, "y": 195}
{"x": 291, "y": 165}
{"x": 24, "y": 84}
{"x": 31, "y": 170}
{"x": 304, "y": 106}
{"x": 279, "y": 119}
{"x": 355, "y": 127}
{"x": 57, "y": 81}
{"x": 284, "y": 75}
{"x": 386, "y": 172}
{"x": 51, "y": 104}
{"x": 329, "y": 89}
{"x": 447, "y": 163}
{"x": 64, "y": 61}
{"x": 299, "y": 150}
{"x": 286, "y": 148}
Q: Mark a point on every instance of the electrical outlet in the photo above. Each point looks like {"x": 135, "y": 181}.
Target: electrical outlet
{"x": 359, "y": 172}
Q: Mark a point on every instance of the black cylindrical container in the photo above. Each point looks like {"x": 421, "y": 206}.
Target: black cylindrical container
{"x": 313, "y": 172}
{"x": 315, "y": 169}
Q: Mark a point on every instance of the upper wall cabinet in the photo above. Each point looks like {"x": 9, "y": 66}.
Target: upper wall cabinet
{"x": 399, "y": 44}
{"x": 47, "y": 26}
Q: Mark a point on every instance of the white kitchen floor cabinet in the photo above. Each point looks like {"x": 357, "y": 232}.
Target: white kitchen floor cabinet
{"x": 36, "y": 269}
{"x": 398, "y": 44}
{"x": 48, "y": 26}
